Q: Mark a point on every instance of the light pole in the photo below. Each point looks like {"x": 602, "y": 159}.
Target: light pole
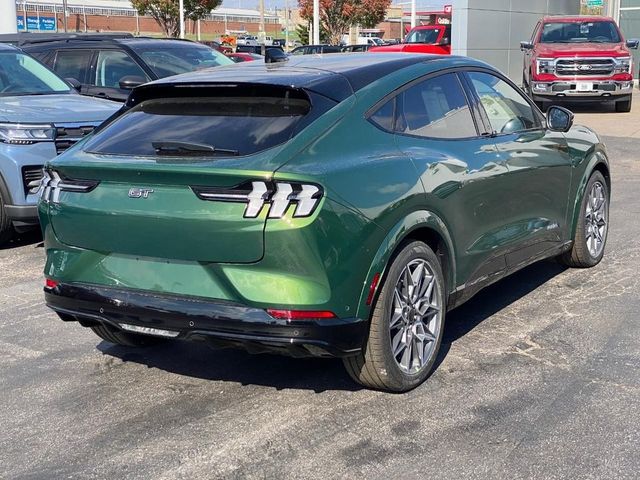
{"x": 316, "y": 22}
{"x": 413, "y": 13}
{"x": 64, "y": 15}
{"x": 181, "y": 6}
{"x": 9, "y": 19}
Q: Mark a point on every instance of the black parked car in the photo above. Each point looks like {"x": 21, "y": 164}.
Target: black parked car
{"x": 355, "y": 48}
{"x": 313, "y": 49}
{"x": 109, "y": 66}
{"x": 257, "y": 49}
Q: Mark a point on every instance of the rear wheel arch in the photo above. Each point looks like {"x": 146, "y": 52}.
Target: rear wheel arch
{"x": 424, "y": 226}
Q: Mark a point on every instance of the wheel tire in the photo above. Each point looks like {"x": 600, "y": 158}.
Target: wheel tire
{"x": 376, "y": 366}
{"x": 623, "y": 106}
{"x": 125, "y": 339}
{"x": 581, "y": 255}
{"x": 6, "y": 226}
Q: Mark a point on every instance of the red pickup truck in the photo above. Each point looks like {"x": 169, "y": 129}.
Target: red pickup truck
{"x": 422, "y": 39}
{"x": 580, "y": 58}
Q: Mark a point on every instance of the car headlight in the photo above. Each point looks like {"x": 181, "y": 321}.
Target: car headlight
{"x": 546, "y": 65}
{"x": 623, "y": 65}
{"x": 277, "y": 195}
{"x": 26, "y": 134}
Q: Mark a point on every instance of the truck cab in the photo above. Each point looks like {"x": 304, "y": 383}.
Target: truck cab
{"x": 578, "y": 59}
{"x": 422, "y": 39}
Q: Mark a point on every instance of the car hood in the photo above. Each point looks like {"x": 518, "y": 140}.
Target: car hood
{"x": 582, "y": 49}
{"x": 57, "y": 108}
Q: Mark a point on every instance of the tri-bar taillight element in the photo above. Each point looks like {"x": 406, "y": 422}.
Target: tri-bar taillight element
{"x": 53, "y": 183}
{"x": 257, "y": 193}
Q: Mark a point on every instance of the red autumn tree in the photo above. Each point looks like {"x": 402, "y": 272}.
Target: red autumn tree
{"x": 336, "y": 16}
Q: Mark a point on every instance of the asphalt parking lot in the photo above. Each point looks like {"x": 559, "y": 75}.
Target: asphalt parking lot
{"x": 539, "y": 377}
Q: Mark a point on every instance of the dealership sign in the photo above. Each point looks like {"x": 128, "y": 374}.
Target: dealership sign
{"x": 43, "y": 24}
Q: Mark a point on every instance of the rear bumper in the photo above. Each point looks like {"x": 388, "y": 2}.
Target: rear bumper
{"x": 570, "y": 89}
{"x": 25, "y": 215}
{"x": 218, "y": 322}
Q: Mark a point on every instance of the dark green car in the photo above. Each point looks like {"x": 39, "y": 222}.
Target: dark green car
{"x": 334, "y": 206}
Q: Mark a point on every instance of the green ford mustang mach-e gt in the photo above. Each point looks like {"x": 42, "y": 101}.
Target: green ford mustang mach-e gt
{"x": 333, "y": 206}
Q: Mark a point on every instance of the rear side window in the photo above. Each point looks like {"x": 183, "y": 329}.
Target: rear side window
{"x": 435, "y": 108}
{"x": 73, "y": 64}
{"x": 234, "y": 122}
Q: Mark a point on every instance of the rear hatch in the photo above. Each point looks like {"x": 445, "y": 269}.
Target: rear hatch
{"x": 171, "y": 177}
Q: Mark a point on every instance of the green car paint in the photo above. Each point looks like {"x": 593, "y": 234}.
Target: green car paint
{"x": 489, "y": 204}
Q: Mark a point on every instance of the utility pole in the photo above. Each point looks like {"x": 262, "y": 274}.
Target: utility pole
{"x": 316, "y": 22}
{"x": 9, "y": 18}
{"x": 64, "y": 15}
{"x": 413, "y": 13}
{"x": 181, "y": 6}
{"x": 286, "y": 24}
{"x": 261, "y": 34}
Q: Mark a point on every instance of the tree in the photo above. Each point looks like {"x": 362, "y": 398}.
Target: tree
{"x": 336, "y": 16}
{"x": 167, "y": 12}
{"x": 302, "y": 30}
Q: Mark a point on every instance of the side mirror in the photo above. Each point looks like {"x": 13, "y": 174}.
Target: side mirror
{"x": 559, "y": 119}
{"x": 131, "y": 81}
{"x": 526, "y": 46}
{"x": 445, "y": 41}
{"x": 74, "y": 83}
{"x": 633, "y": 44}
{"x": 275, "y": 55}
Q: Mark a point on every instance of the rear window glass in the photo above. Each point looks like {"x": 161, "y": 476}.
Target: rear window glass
{"x": 204, "y": 126}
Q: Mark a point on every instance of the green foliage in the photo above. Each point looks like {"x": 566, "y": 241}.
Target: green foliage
{"x": 167, "y": 14}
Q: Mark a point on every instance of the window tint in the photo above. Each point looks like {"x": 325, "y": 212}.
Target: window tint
{"x": 234, "y": 122}
{"x": 22, "y": 75}
{"x": 428, "y": 36}
{"x": 384, "y": 116}
{"x": 166, "y": 59}
{"x": 506, "y": 107}
{"x": 580, "y": 32}
{"x": 73, "y": 64}
{"x": 112, "y": 65}
{"x": 435, "y": 108}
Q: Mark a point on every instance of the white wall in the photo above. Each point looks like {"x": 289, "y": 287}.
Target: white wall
{"x": 491, "y": 30}
{"x": 8, "y": 23}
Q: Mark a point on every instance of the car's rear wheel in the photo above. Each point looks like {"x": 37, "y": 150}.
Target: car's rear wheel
{"x": 406, "y": 324}
{"x": 6, "y": 226}
{"x": 623, "y": 106}
{"x": 126, "y": 339}
{"x": 593, "y": 226}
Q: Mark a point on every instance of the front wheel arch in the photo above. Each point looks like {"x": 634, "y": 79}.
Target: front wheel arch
{"x": 597, "y": 163}
{"x": 421, "y": 225}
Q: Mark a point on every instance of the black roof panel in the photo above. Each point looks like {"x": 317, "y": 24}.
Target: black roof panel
{"x": 335, "y": 76}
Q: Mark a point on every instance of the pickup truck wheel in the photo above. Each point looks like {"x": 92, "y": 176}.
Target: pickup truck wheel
{"x": 623, "y": 106}
{"x": 125, "y": 339}
{"x": 6, "y": 226}
{"x": 592, "y": 228}
{"x": 406, "y": 324}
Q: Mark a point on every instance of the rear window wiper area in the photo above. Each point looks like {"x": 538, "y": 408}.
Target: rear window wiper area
{"x": 182, "y": 149}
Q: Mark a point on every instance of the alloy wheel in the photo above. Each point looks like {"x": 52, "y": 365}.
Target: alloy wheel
{"x": 595, "y": 222}
{"x": 416, "y": 317}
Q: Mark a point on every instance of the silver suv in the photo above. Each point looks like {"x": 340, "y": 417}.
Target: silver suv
{"x": 40, "y": 117}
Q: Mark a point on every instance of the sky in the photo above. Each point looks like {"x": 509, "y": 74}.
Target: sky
{"x": 271, "y": 4}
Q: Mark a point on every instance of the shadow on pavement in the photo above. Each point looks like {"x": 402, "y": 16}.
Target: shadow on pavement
{"x": 200, "y": 361}
{"x": 23, "y": 239}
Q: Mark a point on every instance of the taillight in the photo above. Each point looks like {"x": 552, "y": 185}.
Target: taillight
{"x": 278, "y": 196}
{"x": 300, "y": 314}
{"x": 50, "y": 284}
{"x": 53, "y": 183}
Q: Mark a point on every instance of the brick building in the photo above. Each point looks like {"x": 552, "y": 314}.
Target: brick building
{"x": 120, "y": 16}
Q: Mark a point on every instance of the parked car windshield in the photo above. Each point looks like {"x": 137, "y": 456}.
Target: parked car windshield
{"x": 22, "y": 75}
{"x": 167, "y": 59}
{"x": 423, "y": 36}
{"x": 575, "y": 32}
